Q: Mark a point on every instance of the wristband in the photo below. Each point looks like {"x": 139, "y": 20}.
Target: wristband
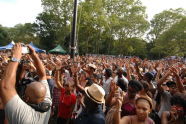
{"x": 13, "y": 59}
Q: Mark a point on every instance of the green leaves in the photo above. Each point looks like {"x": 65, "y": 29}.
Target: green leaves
{"x": 106, "y": 23}
{"x": 53, "y": 24}
{"x": 105, "y": 27}
{"x": 21, "y": 33}
{"x": 4, "y": 37}
{"x": 168, "y": 33}
{"x": 164, "y": 21}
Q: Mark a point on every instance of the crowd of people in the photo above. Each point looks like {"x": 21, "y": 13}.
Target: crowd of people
{"x": 40, "y": 88}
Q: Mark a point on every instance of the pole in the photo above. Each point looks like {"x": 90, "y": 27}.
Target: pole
{"x": 73, "y": 33}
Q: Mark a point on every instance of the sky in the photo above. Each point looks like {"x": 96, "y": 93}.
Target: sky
{"x": 13, "y": 12}
{"x": 157, "y": 6}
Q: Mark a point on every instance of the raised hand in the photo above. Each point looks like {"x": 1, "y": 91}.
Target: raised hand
{"x": 113, "y": 87}
{"x": 76, "y": 79}
{"x": 174, "y": 71}
{"x": 119, "y": 100}
{"x": 31, "y": 49}
{"x": 17, "y": 51}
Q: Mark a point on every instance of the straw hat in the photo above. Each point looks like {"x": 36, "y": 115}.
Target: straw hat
{"x": 95, "y": 93}
{"x": 92, "y": 66}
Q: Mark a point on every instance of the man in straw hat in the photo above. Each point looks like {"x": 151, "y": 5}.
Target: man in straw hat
{"x": 93, "y": 100}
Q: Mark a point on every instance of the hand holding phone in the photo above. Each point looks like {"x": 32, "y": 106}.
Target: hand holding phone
{"x": 25, "y": 49}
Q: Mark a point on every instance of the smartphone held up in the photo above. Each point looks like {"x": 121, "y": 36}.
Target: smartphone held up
{"x": 25, "y": 49}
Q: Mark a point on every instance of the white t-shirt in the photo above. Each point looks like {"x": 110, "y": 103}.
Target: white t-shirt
{"x": 106, "y": 85}
{"x": 125, "y": 79}
{"x": 165, "y": 104}
{"x": 18, "y": 112}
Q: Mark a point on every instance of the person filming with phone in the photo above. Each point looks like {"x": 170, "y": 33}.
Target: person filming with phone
{"x": 35, "y": 106}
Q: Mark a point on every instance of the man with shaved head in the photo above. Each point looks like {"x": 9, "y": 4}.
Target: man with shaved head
{"x": 35, "y": 109}
{"x": 35, "y": 92}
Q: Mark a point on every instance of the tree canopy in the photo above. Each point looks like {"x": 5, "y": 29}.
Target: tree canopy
{"x": 105, "y": 27}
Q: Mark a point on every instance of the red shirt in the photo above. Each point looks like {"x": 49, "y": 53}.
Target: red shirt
{"x": 66, "y": 103}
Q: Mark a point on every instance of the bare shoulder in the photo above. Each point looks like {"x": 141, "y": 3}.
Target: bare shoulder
{"x": 125, "y": 120}
{"x": 151, "y": 121}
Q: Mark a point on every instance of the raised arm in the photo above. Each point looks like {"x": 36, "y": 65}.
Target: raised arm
{"x": 178, "y": 81}
{"x": 76, "y": 81}
{"x": 7, "y": 85}
{"x": 113, "y": 89}
{"x": 38, "y": 64}
{"x": 158, "y": 74}
{"x": 59, "y": 82}
{"x": 117, "y": 115}
{"x": 128, "y": 72}
{"x": 161, "y": 81}
{"x": 164, "y": 116}
{"x": 138, "y": 72}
